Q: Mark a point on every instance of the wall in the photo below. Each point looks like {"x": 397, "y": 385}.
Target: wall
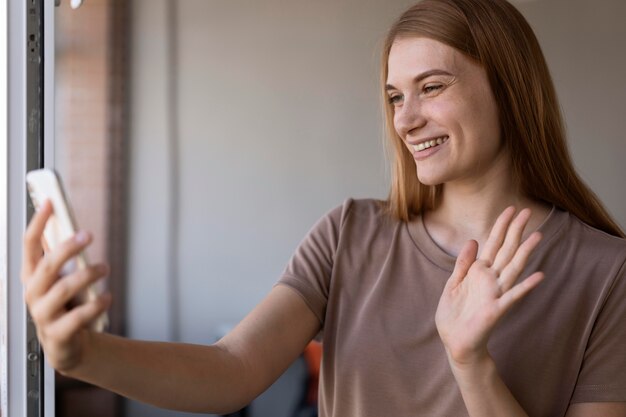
{"x": 583, "y": 41}
{"x": 278, "y": 121}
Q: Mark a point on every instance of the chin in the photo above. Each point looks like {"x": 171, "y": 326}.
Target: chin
{"x": 430, "y": 179}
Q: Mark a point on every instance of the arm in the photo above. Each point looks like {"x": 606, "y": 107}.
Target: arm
{"x": 485, "y": 394}
{"x": 478, "y": 293}
{"x": 609, "y": 409}
{"x": 219, "y": 378}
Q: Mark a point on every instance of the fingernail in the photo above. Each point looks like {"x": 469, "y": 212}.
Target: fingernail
{"x": 81, "y": 237}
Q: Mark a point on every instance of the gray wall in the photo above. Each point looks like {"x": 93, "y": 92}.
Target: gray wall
{"x": 279, "y": 121}
{"x": 583, "y": 41}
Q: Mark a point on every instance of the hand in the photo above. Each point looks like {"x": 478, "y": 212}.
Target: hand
{"x": 62, "y": 331}
{"x": 480, "y": 291}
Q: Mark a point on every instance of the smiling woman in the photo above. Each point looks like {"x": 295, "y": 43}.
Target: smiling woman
{"x": 489, "y": 283}
{"x": 451, "y": 103}
{"x": 505, "y": 51}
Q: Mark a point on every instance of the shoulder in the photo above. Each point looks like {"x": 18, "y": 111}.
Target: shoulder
{"x": 595, "y": 242}
{"x": 357, "y": 220}
{"x": 359, "y": 210}
{"x": 570, "y": 239}
{"x": 366, "y": 214}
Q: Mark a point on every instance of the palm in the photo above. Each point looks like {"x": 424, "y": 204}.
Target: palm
{"x": 480, "y": 291}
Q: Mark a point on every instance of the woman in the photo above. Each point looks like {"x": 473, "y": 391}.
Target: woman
{"x": 440, "y": 301}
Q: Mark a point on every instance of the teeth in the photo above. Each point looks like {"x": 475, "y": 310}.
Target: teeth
{"x": 429, "y": 144}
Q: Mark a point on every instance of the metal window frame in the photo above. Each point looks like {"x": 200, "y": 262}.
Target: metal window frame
{"x": 29, "y": 117}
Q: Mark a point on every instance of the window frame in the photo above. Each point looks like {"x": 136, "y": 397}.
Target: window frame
{"x": 21, "y": 393}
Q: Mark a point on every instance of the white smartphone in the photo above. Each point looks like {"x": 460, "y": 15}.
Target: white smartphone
{"x": 45, "y": 184}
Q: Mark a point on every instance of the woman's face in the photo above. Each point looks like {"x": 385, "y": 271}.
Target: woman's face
{"x": 444, "y": 111}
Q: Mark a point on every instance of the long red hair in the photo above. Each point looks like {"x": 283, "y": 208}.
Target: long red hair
{"x": 495, "y": 34}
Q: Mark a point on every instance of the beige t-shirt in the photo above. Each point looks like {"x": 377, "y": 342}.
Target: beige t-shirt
{"x": 374, "y": 283}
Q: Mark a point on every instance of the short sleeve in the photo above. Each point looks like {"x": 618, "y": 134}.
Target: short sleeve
{"x": 310, "y": 269}
{"x": 603, "y": 374}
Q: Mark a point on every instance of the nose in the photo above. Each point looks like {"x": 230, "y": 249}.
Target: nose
{"x": 408, "y": 118}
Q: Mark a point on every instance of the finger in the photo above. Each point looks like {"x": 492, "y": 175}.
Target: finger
{"x": 519, "y": 291}
{"x": 496, "y": 236}
{"x": 512, "y": 240}
{"x": 49, "y": 267}
{"x": 464, "y": 261}
{"x": 54, "y": 302}
{"x": 32, "y": 249}
{"x": 80, "y": 317}
{"x": 513, "y": 270}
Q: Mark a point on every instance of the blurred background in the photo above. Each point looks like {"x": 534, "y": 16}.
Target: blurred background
{"x": 199, "y": 140}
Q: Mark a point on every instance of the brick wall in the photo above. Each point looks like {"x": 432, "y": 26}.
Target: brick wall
{"x": 91, "y": 108}
{"x": 82, "y": 81}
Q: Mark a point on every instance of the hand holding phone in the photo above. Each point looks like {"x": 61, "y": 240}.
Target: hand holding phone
{"x": 45, "y": 184}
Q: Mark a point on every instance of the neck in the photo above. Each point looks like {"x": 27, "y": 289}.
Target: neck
{"x": 468, "y": 210}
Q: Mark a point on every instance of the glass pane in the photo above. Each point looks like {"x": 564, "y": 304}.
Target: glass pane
{"x": 83, "y": 135}
{"x": 200, "y": 140}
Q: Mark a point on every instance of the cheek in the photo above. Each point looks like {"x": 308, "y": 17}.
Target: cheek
{"x": 444, "y": 112}
{"x": 482, "y": 109}
{"x": 397, "y": 126}
{"x": 475, "y": 119}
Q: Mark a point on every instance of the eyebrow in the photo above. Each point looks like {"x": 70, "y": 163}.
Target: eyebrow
{"x": 421, "y": 76}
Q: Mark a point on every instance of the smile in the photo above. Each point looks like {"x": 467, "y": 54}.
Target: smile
{"x": 429, "y": 143}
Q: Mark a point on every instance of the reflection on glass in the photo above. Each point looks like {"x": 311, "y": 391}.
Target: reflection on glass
{"x": 89, "y": 129}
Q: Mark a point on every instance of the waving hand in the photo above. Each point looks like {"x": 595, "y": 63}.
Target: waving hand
{"x": 480, "y": 291}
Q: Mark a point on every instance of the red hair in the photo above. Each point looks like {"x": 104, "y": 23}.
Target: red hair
{"x": 495, "y": 34}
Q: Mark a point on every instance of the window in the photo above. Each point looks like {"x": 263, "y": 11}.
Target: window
{"x": 25, "y": 93}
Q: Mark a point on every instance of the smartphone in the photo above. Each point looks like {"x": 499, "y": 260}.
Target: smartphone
{"x": 45, "y": 184}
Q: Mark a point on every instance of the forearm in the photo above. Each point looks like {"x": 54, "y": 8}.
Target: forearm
{"x": 177, "y": 376}
{"x": 480, "y": 291}
{"x": 484, "y": 393}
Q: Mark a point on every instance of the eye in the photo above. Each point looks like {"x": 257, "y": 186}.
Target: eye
{"x": 432, "y": 88}
{"x": 395, "y": 99}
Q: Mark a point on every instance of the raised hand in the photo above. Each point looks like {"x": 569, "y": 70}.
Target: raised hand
{"x": 480, "y": 291}
{"x": 61, "y": 331}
